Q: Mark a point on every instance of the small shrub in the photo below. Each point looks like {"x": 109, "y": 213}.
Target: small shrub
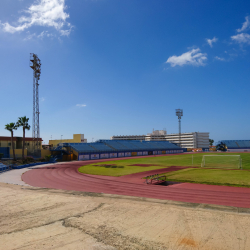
{"x": 28, "y": 159}
{"x": 47, "y": 157}
{"x": 24, "y": 161}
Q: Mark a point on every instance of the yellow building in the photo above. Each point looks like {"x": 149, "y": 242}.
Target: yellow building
{"x": 5, "y": 141}
{"x": 77, "y": 138}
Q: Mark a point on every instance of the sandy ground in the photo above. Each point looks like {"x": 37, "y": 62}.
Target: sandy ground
{"x": 36, "y": 218}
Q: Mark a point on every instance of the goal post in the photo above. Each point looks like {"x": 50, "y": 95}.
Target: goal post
{"x": 222, "y": 161}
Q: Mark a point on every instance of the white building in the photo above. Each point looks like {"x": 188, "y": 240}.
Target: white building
{"x": 188, "y": 140}
{"x": 128, "y": 137}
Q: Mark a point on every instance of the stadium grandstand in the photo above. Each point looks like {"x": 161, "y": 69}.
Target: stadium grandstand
{"x": 104, "y": 149}
{"x": 237, "y": 145}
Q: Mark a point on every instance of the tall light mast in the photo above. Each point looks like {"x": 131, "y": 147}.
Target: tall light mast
{"x": 35, "y": 64}
{"x": 179, "y": 113}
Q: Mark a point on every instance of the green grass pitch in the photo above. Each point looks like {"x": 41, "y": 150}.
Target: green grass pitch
{"x": 155, "y": 163}
{"x": 237, "y": 178}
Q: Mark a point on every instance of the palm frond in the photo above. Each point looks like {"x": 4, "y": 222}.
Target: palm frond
{"x": 11, "y": 126}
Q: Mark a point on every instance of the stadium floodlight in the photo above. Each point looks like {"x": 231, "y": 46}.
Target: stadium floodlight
{"x": 179, "y": 114}
{"x": 222, "y": 161}
{"x": 35, "y": 64}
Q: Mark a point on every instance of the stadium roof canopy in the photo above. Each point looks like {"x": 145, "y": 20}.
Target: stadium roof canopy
{"x": 121, "y": 145}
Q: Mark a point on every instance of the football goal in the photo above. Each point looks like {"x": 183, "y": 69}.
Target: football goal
{"x": 221, "y": 161}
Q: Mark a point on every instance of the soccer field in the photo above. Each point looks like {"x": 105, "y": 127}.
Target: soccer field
{"x": 127, "y": 166}
{"x": 237, "y": 178}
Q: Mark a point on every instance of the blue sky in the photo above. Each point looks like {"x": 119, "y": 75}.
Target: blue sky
{"x": 113, "y": 67}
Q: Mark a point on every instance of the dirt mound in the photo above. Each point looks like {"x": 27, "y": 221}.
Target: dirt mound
{"x": 102, "y": 165}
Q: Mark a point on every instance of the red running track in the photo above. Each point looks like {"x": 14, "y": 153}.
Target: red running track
{"x": 66, "y": 176}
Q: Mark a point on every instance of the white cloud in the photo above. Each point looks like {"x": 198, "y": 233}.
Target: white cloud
{"x": 245, "y": 25}
{"x": 241, "y": 38}
{"x": 65, "y": 32}
{"x": 211, "y": 41}
{"x": 30, "y": 36}
{"x": 192, "y": 57}
{"x": 46, "y": 13}
{"x": 81, "y": 105}
{"x": 42, "y": 99}
{"x": 45, "y": 34}
{"x": 42, "y": 34}
{"x": 220, "y": 58}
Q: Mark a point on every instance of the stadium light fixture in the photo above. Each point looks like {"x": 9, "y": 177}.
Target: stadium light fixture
{"x": 35, "y": 64}
{"x": 179, "y": 114}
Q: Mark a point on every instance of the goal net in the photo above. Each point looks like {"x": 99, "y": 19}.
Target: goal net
{"x": 222, "y": 161}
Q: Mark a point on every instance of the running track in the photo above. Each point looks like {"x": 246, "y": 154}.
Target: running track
{"x": 65, "y": 176}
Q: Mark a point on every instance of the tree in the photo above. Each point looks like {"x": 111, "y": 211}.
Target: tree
{"x": 211, "y": 141}
{"x": 11, "y": 127}
{"x": 23, "y": 122}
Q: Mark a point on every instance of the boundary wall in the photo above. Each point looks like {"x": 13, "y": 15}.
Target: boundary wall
{"x": 199, "y": 150}
{"x": 118, "y": 154}
{"x": 18, "y": 153}
{"x": 238, "y": 150}
{"x": 5, "y": 151}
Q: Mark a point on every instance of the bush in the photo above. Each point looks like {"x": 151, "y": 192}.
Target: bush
{"x": 47, "y": 157}
{"x": 28, "y": 159}
{"x": 41, "y": 159}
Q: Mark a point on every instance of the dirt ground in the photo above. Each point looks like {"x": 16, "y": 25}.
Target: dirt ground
{"x": 36, "y": 218}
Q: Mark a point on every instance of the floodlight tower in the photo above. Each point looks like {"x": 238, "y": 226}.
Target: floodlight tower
{"x": 179, "y": 113}
{"x": 35, "y": 64}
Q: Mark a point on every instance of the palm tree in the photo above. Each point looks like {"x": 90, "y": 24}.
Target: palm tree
{"x": 23, "y": 122}
{"x": 11, "y": 127}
